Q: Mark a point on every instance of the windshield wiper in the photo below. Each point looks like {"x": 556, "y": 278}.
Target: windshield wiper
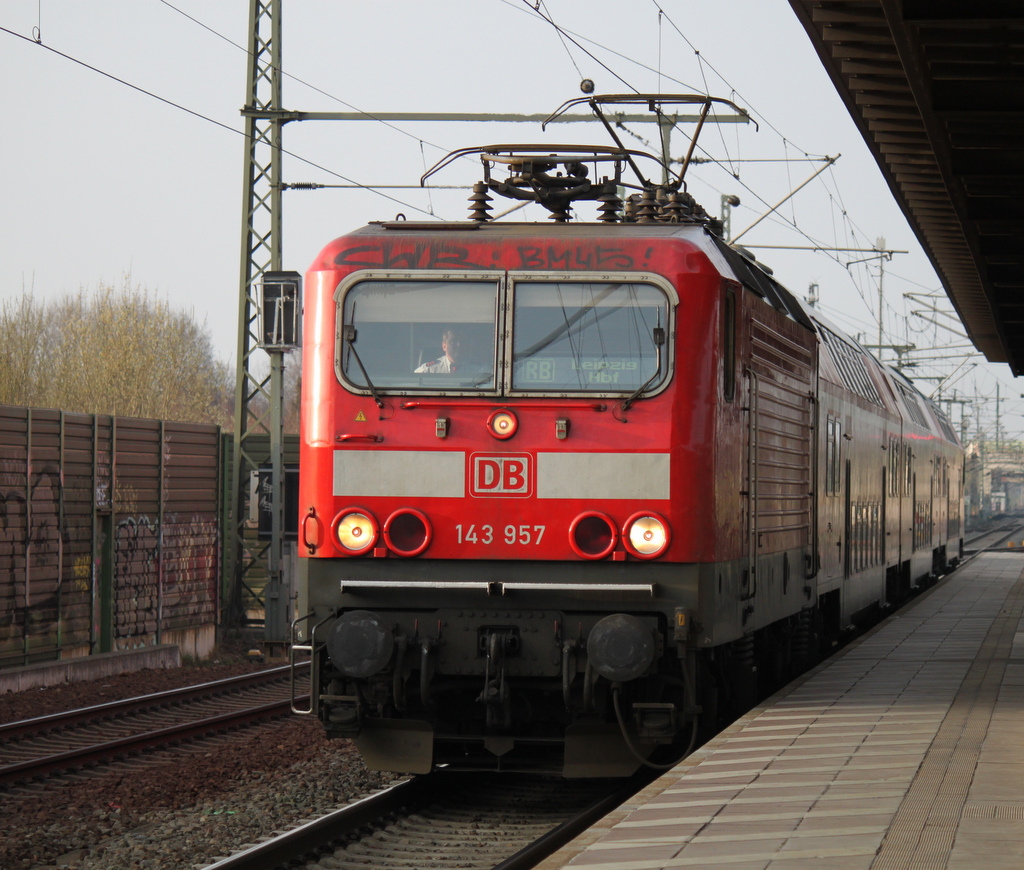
{"x": 659, "y": 340}
{"x": 350, "y": 340}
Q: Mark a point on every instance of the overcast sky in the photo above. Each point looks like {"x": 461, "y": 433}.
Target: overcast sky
{"x": 104, "y": 181}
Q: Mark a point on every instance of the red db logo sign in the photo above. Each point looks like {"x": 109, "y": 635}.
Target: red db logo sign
{"x": 502, "y": 476}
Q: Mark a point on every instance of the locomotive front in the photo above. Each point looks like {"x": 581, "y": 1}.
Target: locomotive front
{"x": 508, "y": 481}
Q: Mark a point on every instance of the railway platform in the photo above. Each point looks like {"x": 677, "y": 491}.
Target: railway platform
{"x": 905, "y": 750}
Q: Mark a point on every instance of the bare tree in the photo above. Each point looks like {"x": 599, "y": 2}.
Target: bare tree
{"x": 26, "y": 336}
{"x": 124, "y": 352}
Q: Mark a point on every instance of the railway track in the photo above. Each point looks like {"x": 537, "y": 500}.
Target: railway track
{"x": 1009, "y": 535}
{"x": 464, "y": 820}
{"x": 33, "y": 750}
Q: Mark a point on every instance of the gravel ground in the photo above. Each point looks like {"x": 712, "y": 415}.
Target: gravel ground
{"x": 184, "y": 813}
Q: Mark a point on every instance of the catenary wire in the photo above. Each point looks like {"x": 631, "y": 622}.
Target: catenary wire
{"x": 203, "y": 117}
{"x": 305, "y": 83}
{"x": 565, "y": 33}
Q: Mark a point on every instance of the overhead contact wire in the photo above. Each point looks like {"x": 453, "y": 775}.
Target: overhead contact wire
{"x": 565, "y": 33}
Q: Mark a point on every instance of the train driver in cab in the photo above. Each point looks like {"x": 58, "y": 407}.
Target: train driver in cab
{"x": 450, "y": 359}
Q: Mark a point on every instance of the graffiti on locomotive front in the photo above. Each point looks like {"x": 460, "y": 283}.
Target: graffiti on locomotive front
{"x": 445, "y": 255}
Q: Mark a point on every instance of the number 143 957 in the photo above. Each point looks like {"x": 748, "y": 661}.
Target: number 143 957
{"x": 522, "y": 534}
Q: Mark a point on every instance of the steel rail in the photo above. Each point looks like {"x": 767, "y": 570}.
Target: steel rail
{"x": 15, "y": 730}
{"x": 323, "y": 834}
{"x": 1000, "y": 536}
{"x": 333, "y": 827}
{"x": 556, "y": 838}
{"x": 136, "y": 744}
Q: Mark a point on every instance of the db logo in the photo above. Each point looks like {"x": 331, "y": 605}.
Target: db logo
{"x": 500, "y": 476}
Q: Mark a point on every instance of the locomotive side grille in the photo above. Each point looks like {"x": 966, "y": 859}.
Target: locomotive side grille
{"x": 783, "y": 370}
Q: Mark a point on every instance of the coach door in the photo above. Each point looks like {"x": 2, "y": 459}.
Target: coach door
{"x": 834, "y": 508}
{"x": 847, "y": 548}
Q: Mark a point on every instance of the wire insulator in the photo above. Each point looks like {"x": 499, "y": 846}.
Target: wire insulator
{"x": 647, "y": 208}
{"x": 480, "y": 203}
{"x": 630, "y": 207}
{"x": 559, "y": 213}
{"x": 611, "y": 205}
{"x": 675, "y": 209}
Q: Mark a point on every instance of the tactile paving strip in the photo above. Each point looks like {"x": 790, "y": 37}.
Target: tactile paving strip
{"x": 993, "y": 811}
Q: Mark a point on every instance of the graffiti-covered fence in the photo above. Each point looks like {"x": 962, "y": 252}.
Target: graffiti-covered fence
{"x": 109, "y": 534}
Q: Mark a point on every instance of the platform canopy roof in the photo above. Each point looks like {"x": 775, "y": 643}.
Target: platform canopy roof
{"x": 937, "y": 89}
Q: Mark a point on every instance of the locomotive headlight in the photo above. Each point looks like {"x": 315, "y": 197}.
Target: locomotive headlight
{"x": 407, "y": 532}
{"x": 356, "y": 530}
{"x": 620, "y": 647}
{"x": 359, "y": 644}
{"x": 646, "y": 535}
{"x": 592, "y": 535}
{"x": 502, "y": 424}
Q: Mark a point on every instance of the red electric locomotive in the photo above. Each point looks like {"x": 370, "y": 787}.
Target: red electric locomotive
{"x": 569, "y": 488}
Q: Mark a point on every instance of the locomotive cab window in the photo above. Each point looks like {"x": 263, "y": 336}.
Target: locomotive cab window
{"x": 419, "y": 335}
{"x": 450, "y": 335}
{"x": 588, "y": 336}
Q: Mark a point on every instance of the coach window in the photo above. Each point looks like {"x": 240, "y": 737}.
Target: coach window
{"x": 408, "y": 335}
{"x": 895, "y": 461}
{"x": 589, "y": 336}
{"x": 833, "y": 459}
